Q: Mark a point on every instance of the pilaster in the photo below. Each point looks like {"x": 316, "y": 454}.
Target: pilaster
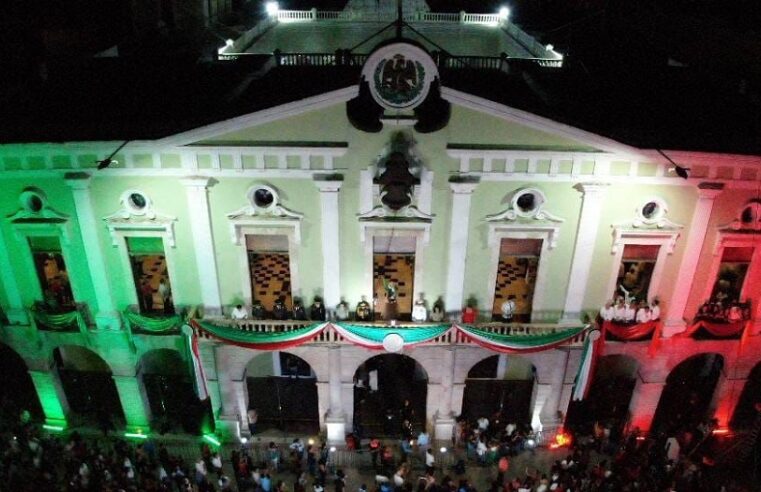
{"x": 674, "y": 320}
{"x": 106, "y": 316}
{"x": 16, "y": 313}
{"x": 131, "y": 398}
{"x": 335, "y": 419}
{"x": 330, "y": 235}
{"x": 643, "y": 404}
{"x": 51, "y": 395}
{"x": 458, "y": 243}
{"x": 197, "y": 188}
{"x": 583, "y": 251}
{"x": 443, "y": 421}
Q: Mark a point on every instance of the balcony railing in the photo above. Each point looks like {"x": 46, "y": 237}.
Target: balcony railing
{"x": 451, "y": 337}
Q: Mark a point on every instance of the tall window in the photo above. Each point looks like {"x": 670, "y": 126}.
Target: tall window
{"x": 636, "y": 270}
{"x": 269, "y": 270}
{"x": 393, "y": 276}
{"x": 730, "y": 278}
{"x": 149, "y": 270}
{"x": 516, "y": 278}
{"x": 51, "y": 272}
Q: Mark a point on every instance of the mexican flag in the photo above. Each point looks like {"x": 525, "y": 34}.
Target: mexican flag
{"x": 199, "y": 377}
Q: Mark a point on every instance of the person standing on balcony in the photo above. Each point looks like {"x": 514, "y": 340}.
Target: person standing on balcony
{"x": 655, "y": 310}
{"x": 607, "y": 312}
{"x": 165, "y": 292}
{"x": 508, "y": 308}
{"x": 239, "y": 312}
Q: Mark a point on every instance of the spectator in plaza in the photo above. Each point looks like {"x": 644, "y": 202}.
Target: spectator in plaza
{"x": 239, "y": 312}
{"x": 273, "y": 455}
{"x": 430, "y": 461}
{"x": 253, "y": 417}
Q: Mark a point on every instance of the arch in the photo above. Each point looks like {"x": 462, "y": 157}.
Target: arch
{"x": 17, "y": 393}
{"x": 87, "y": 382}
{"x": 745, "y": 411}
{"x": 165, "y": 378}
{"x": 389, "y": 389}
{"x": 501, "y": 388}
{"x": 609, "y": 396}
{"x": 688, "y": 393}
{"x": 282, "y": 387}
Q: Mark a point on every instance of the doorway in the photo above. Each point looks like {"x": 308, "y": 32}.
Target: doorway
{"x": 500, "y": 388}
{"x": 269, "y": 270}
{"x": 52, "y": 273}
{"x": 382, "y": 385}
{"x": 150, "y": 275}
{"x": 636, "y": 271}
{"x": 393, "y": 277}
{"x": 516, "y": 277}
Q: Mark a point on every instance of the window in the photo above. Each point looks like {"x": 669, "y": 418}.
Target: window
{"x": 150, "y": 274}
{"x": 635, "y": 271}
{"x": 51, "y": 272}
{"x": 733, "y": 269}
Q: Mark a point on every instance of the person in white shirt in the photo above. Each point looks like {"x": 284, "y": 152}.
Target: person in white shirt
{"x": 607, "y": 312}
{"x": 655, "y": 310}
{"x": 619, "y": 312}
{"x": 419, "y": 311}
{"x": 630, "y": 312}
{"x": 643, "y": 315}
{"x": 508, "y": 309}
{"x": 239, "y": 312}
{"x": 430, "y": 461}
{"x": 483, "y": 424}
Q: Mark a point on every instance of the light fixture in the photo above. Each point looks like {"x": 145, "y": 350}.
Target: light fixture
{"x": 243, "y": 440}
{"x": 681, "y": 171}
{"x": 272, "y": 8}
{"x": 549, "y": 47}
{"x": 229, "y": 43}
{"x": 443, "y": 449}
{"x": 110, "y": 159}
{"x": 211, "y": 439}
{"x": 332, "y": 449}
{"x": 504, "y": 13}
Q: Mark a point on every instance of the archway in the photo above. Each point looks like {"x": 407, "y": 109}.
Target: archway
{"x": 686, "y": 398}
{"x": 609, "y": 396}
{"x": 171, "y": 396}
{"x": 17, "y": 393}
{"x": 500, "y": 388}
{"x": 89, "y": 388}
{"x": 746, "y": 413}
{"x": 283, "y": 389}
{"x": 382, "y": 385}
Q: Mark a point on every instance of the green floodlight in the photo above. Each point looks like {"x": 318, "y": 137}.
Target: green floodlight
{"x": 53, "y": 428}
{"x": 135, "y": 435}
{"x": 211, "y": 439}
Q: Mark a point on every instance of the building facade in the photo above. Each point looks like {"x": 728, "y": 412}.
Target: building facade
{"x": 297, "y": 200}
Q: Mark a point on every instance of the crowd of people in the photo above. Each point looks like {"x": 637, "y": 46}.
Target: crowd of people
{"x": 484, "y": 453}
{"x": 630, "y": 311}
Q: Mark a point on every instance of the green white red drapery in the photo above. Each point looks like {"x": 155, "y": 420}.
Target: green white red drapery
{"x": 194, "y": 355}
{"x": 589, "y": 355}
{"x": 720, "y": 330}
{"x": 630, "y": 332}
{"x": 372, "y": 336}
{"x": 512, "y": 344}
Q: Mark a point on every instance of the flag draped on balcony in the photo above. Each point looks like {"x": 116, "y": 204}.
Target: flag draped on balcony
{"x": 372, "y": 337}
{"x": 509, "y": 343}
{"x": 194, "y": 355}
{"x": 589, "y": 356}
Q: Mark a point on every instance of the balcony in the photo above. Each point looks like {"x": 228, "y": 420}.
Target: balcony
{"x": 330, "y": 335}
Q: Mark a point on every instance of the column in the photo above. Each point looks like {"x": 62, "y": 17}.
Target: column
{"x": 331, "y": 257}
{"x": 335, "y": 420}
{"x": 583, "y": 250}
{"x": 725, "y": 398}
{"x": 16, "y": 313}
{"x": 458, "y": 244}
{"x": 106, "y": 316}
{"x": 443, "y": 421}
{"x": 228, "y": 395}
{"x": 552, "y": 391}
{"x": 674, "y": 319}
{"x": 51, "y": 395}
{"x": 138, "y": 419}
{"x": 196, "y": 188}
{"x": 644, "y": 401}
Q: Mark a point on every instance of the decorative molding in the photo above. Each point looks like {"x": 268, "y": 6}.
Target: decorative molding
{"x": 521, "y": 230}
{"x": 408, "y": 212}
{"x": 622, "y": 235}
{"x": 752, "y": 210}
{"x": 132, "y": 220}
{"x": 656, "y": 229}
{"x": 368, "y": 229}
{"x": 254, "y": 209}
{"x": 514, "y": 213}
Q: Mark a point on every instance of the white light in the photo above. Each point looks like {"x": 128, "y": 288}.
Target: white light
{"x": 272, "y": 8}
{"x": 443, "y": 449}
{"x": 310, "y": 441}
{"x": 550, "y": 47}
{"x": 243, "y": 440}
{"x": 530, "y": 443}
{"x": 332, "y": 449}
{"x": 229, "y": 42}
{"x": 504, "y": 13}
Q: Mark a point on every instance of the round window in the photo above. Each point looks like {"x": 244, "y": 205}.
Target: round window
{"x": 263, "y": 197}
{"x": 747, "y": 215}
{"x": 32, "y": 201}
{"x": 526, "y": 202}
{"x": 137, "y": 201}
{"x": 650, "y": 210}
